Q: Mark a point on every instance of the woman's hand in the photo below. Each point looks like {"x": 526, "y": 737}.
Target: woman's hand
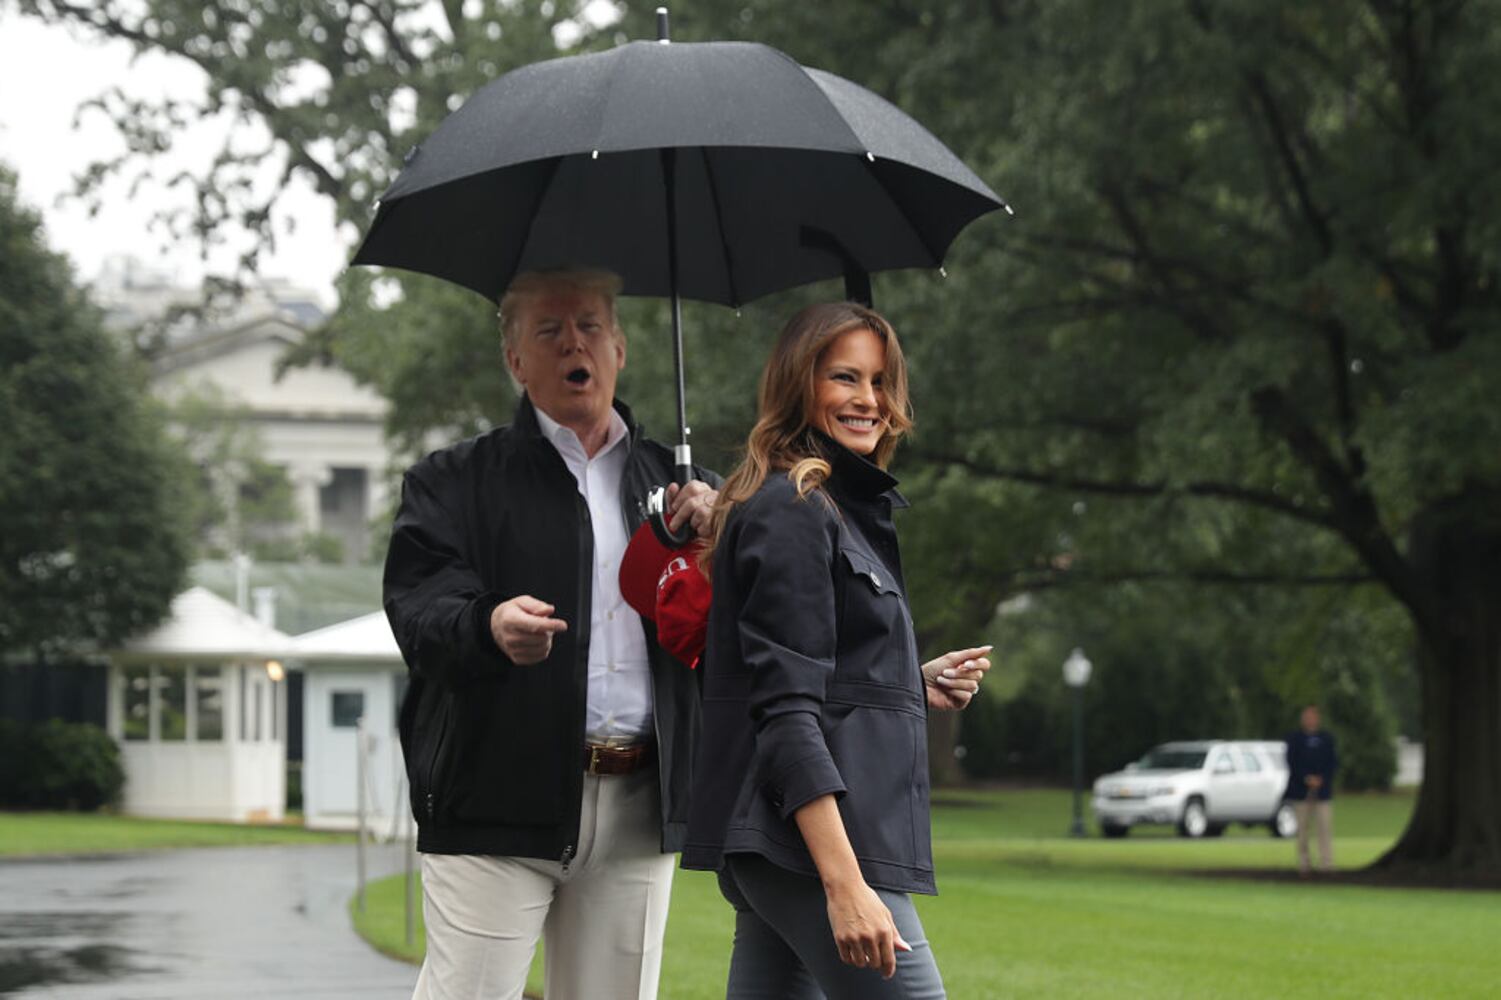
{"x": 864, "y": 930}
{"x": 952, "y": 679}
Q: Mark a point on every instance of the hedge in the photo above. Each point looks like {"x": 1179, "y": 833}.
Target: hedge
{"x": 58, "y": 765}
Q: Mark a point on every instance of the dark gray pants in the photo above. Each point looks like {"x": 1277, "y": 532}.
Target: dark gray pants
{"x": 784, "y": 948}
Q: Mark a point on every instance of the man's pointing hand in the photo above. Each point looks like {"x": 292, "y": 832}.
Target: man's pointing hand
{"x": 523, "y": 628}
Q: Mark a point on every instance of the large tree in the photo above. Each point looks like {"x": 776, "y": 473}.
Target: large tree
{"x": 94, "y": 543}
{"x": 1264, "y": 235}
{"x": 1242, "y": 331}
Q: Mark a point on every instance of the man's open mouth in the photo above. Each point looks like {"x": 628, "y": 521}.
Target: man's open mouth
{"x": 579, "y": 376}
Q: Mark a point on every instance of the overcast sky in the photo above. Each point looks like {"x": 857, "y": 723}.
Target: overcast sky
{"x": 45, "y": 73}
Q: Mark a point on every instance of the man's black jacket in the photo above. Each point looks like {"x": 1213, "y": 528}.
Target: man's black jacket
{"x": 812, "y": 683}
{"x": 494, "y": 751}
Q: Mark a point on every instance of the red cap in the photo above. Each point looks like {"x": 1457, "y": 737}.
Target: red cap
{"x": 665, "y": 586}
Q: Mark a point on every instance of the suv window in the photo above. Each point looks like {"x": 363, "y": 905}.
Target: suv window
{"x": 1224, "y": 763}
{"x": 1249, "y": 761}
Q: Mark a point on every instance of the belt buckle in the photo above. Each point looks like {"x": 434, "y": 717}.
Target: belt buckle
{"x": 594, "y": 752}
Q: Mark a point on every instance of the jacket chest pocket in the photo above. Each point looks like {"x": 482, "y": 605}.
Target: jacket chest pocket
{"x": 876, "y": 643}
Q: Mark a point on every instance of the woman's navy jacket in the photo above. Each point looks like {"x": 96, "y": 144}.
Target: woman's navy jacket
{"x": 812, "y": 683}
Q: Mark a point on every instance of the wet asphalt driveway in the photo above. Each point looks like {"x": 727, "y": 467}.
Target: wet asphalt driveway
{"x": 208, "y": 924}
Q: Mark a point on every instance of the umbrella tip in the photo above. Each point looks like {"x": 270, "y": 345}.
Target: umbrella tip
{"x": 1007, "y": 207}
{"x": 663, "y": 35}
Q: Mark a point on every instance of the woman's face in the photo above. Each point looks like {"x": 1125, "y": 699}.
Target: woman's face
{"x": 849, "y": 397}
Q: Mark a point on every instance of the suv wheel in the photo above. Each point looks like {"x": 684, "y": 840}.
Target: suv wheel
{"x": 1285, "y": 822}
{"x": 1113, "y": 830}
{"x": 1195, "y": 820}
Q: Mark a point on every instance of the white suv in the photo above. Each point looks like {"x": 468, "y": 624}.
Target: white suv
{"x": 1200, "y": 788}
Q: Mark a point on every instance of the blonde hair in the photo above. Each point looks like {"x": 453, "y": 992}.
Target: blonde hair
{"x": 782, "y": 439}
{"x": 529, "y": 284}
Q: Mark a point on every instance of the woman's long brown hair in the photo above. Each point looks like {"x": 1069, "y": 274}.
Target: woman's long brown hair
{"x": 782, "y": 439}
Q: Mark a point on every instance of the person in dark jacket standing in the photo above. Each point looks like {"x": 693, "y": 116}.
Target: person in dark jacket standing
{"x": 548, "y": 738}
{"x": 1311, "y": 765}
{"x": 810, "y": 793}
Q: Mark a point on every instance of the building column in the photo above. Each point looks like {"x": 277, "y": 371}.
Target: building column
{"x": 377, "y": 493}
{"x": 307, "y": 481}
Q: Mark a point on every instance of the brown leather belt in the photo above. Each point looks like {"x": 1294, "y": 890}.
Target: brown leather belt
{"x": 618, "y": 760}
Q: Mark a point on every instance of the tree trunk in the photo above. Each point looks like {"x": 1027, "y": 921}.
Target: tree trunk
{"x": 1455, "y": 830}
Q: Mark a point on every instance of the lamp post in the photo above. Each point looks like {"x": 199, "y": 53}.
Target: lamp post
{"x": 1076, "y": 670}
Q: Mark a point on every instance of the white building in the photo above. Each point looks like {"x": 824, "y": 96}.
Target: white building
{"x": 316, "y": 422}
{"x": 353, "y": 674}
{"x": 199, "y": 710}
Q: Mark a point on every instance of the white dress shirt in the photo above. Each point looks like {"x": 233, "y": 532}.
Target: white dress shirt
{"x": 620, "y": 694}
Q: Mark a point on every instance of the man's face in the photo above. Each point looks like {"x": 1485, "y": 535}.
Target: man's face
{"x": 1310, "y": 719}
{"x": 566, "y": 353}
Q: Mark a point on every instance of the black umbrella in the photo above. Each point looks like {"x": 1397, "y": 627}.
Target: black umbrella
{"x": 718, "y": 171}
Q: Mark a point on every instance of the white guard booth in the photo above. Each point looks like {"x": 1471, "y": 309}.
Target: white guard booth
{"x": 199, "y": 710}
{"x": 353, "y": 681}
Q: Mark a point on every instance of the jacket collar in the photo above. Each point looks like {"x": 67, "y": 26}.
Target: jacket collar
{"x": 854, "y": 476}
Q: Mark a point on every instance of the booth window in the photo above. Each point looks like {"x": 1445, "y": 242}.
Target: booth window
{"x": 348, "y": 706}
{"x": 138, "y": 703}
{"x": 208, "y": 697}
{"x": 172, "y": 703}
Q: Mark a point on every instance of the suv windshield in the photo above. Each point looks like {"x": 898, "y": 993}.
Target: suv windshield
{"x": 1168, "y": 759}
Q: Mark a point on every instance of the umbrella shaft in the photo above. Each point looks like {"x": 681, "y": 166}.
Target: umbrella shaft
{"x": 669, "y": 182}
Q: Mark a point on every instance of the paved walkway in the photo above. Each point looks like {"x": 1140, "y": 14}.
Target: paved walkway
{"x": 207, "y": 924}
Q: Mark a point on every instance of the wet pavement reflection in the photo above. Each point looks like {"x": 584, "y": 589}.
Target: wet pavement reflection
{"x": 221, "y": 923}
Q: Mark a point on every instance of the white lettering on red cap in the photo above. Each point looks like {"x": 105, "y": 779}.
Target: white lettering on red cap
{"x": 674, "y": 565}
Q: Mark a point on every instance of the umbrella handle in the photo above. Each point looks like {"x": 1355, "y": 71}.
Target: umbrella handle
{"x": 656, "y": 516}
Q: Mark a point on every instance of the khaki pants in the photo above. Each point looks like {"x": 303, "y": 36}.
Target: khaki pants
{"x": 1310, "y": 812}
{"x": 602, "y": 920}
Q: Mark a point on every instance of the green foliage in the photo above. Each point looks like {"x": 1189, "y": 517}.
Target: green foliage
{"x": 94, "y": 544}
{"x": 1174, "y": 662}
{"x": 239, "y": 501}
{"x": 58, "y": 765}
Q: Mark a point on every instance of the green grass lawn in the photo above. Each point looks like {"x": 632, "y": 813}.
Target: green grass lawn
{"x": 44, "y": 833}
{"x": 1025, "y": 912}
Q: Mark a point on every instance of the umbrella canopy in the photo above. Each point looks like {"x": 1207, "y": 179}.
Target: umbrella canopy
{"x": 763, "y": 173}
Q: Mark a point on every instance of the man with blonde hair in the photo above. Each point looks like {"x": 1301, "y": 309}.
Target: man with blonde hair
{"x": 548, "y": 737}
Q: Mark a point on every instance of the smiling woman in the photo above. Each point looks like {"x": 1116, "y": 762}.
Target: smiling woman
{"x": 849, "y": 399}
{"x": 811, "y": 801}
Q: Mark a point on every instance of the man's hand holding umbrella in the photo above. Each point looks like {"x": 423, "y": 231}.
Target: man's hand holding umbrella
{"x": 692, "y": 504}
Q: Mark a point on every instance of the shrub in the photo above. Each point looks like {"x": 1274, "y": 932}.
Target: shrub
{"x": 58, "y": 765}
